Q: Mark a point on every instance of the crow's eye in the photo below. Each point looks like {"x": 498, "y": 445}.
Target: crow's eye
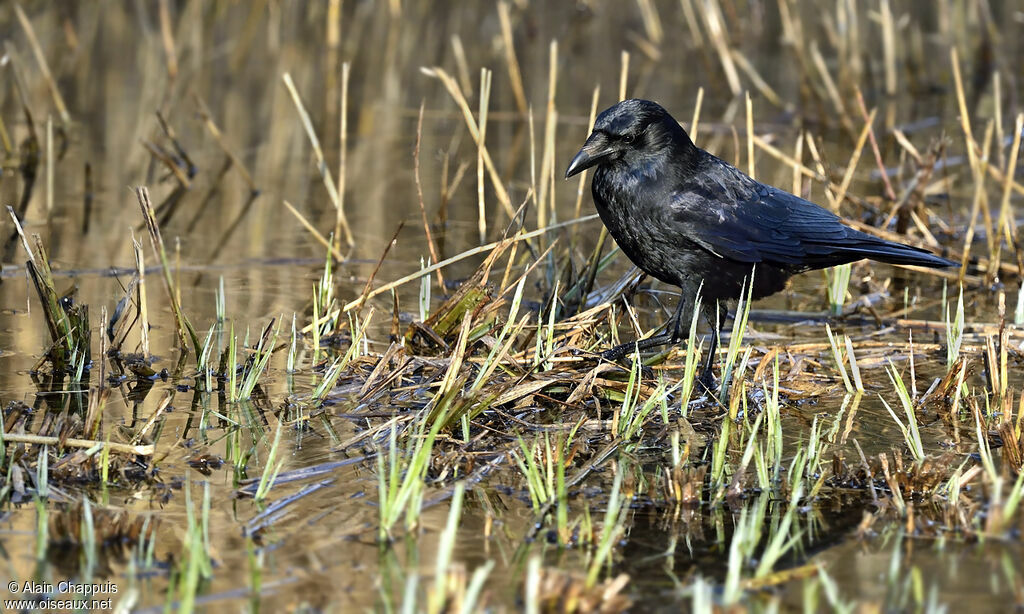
{"x": 628, "y": 139}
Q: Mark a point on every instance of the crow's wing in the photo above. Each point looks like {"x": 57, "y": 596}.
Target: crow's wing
{"x": 736, "y": 218}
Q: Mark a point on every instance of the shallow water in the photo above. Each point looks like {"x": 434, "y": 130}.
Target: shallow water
{"x": 321, "y": 549}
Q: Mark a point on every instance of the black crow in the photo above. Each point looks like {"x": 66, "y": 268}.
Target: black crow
{"x": 694, "y": 221}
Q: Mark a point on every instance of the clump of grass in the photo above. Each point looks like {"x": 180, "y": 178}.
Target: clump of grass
{"x": 401, "y": 477}
{"x": 67, "y": 322}
{"x": 747, "y": 535}
{"x": 692, "y": 361}
{"x": 255, "y": 559}
{"x": 773, "y": 424}
{"x": 910, "y": 430}
{"x": 444, "y": 590}
{"x": 256, "y": 365}
{"x": 739, "y": 327}
{"x": 718, "y": 454}
{"x": 829, "y": 586}
{"x": 195, "y": 564}
{"x": 837, "y": 287}
{"x": 612, "y": 527}
{"x": 837, "y": 354}
{"x": 42, "y": 493}
{"x": 271, "y": 467}
{"x": 185, "y": 331}
{"x": 542, "y": 464}
{"x": 954, "y": 328}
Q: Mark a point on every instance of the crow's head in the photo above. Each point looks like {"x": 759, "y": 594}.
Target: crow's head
{"x": 630, "y": 131}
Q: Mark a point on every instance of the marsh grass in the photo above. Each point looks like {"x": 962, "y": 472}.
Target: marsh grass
{"x": 954, "y": 327}
{"x": 838, "y": 280}
{"x": 495, "y": 378}
{"x": 910, "y": 429}
{"x": 68, "y": 327}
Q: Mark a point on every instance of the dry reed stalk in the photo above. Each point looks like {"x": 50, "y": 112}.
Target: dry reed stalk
{"x": 965, "y": 118}
{"x": 1006, "y": 219}
{"x": 546, "y": 200}
{"x": 850, "y": 59}
{"x": 798, "y": 154}
{"x": 515, "y": 75}
{"x": 759, "y": 83}
{"x": 101, "y": 380}
{"x": 325, "y": 173}
{"x": 992, "y": 366}
{"x": 140, "y": 297}
{"x": 905, "y": 143}
{"x": 161, "y": 407}
{"x": 467, "y": 254}
{"x": 690, "y": 15}
{"x": 819, "y": 162}
{"x": 218, "y": 137}
{"x": 714, "y": 24}
{"x": 531, "y": 195}
{"x": 645, "y": 46}
{"x": 5, "y": 139}
{"x": 750, "y": 135}
{"x": 854, "y": 159}
{"x": 792, "y": 31}
{"x": 590, "y": 127}
{"x": 380, "y": 262}
{"x": 889, "y": 192}
{"x": 1004, "y": 339}
{"x": 976, "y": 205}
{"x": 997, "y": 117}
{"x": 184, "y": 328}
{"x": 926, "y": 234}
{"x": 340, "y": 220}
{"x": 332, "y": 53}
{"x": 44, "y": 67}
{"x": 735, "y": 146}
{"x": 595, "y": 256}
{"x": 515, "y": 246}
{"x": 168, "y": 161}
{"x": 43, "y": 440}
{"x": 461, "y": 65}
{"x": 623, "y": 74}
{"x": 830, "y": 87}
{"x": 474, "y": 131}
{"x": 651, "y": 20}
{"x": 888, "y": 47}
{"x": 798, "y": 166}
{"x": 481, "y": 148}
{"x": 533, "y": 156}
{"x": 51, "y": 162}
{"x": 167, "y": 38}
{"x": 322, "y": 240}
{"x": 511, "y": 261}
{"x": 419, "y": 194}
{"x": 695, "y": 120}
{"x": 1000, "y": 177}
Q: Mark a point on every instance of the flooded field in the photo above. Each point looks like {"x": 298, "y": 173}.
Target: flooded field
{"x": 299, "y": 314}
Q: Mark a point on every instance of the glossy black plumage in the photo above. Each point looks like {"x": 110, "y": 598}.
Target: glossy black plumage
{"x": 694, "y": 221}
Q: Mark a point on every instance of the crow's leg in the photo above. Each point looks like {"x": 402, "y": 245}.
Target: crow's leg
{"x": 621, "y": 351}
{"x": 676, "y": 325}
{"x": 707, "y": 376}
{"x": 672, "y": 335}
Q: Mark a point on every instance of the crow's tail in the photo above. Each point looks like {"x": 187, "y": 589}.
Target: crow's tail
{"x": 863, "y": 245}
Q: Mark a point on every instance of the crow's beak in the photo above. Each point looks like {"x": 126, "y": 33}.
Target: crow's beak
{"x": 594, "y": 151}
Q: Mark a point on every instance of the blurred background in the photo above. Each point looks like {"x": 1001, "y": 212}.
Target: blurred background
{"x": 190, "y": 99}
